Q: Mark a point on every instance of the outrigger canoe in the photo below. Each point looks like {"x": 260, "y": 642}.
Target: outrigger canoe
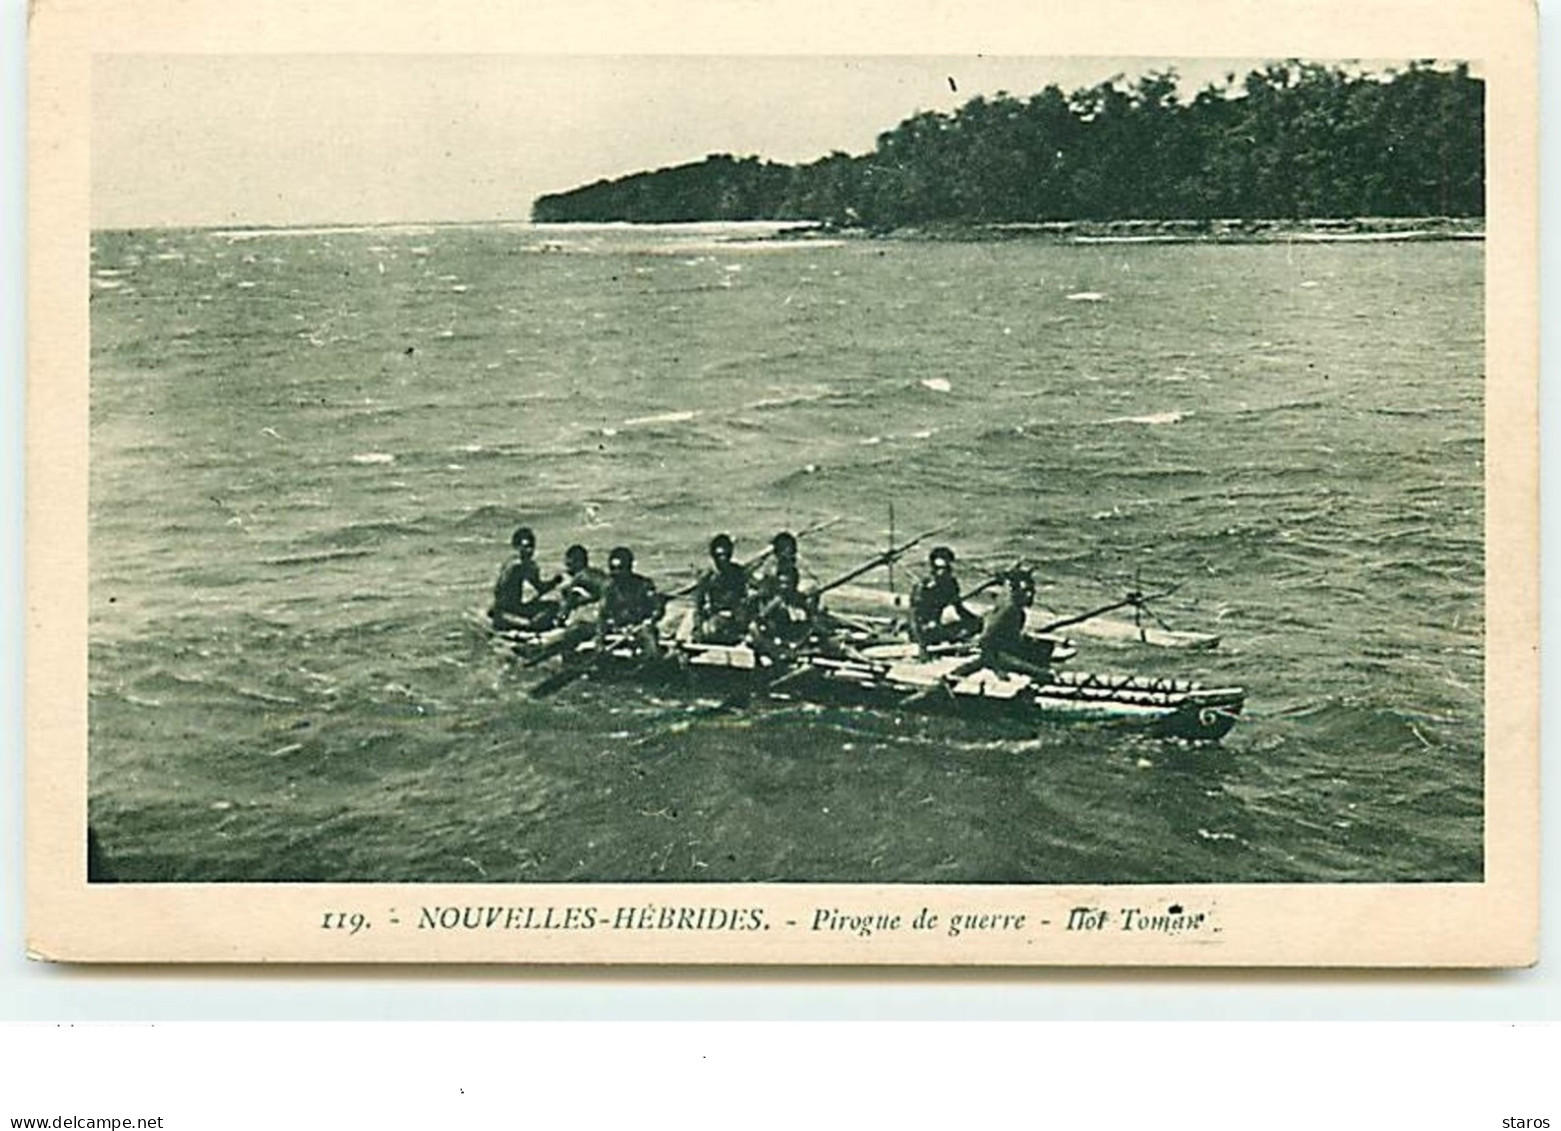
{"x": 892, "y": 676}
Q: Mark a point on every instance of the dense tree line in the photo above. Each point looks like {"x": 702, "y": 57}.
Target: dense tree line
{"x": 1293, "y": 140}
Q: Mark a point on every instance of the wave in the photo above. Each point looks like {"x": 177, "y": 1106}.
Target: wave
{"x": 319, "y": 556}
{"x": 1170, "y": 417}
{"x": 364, "y": 533}
{"x": 1423, "y": 411}
{"x": 676, "y": 417}
{"x": 797, "y": 476}
{"x": 1150, "y": 474}
{"x": 1367, "y": 726}
{"x": 790, "y": 400}
{"x": 1306, "y": 404}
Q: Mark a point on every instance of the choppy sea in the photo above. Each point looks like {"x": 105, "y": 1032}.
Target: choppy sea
{"x": 309, "y": 448}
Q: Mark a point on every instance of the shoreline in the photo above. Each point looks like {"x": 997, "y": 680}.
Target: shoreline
{"x": 1366, "y": 229}
{"x": 1372, "y": 229}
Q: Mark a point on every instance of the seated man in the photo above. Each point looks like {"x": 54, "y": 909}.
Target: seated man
{"x": 1003, "y": 643}
{"x": 630, "y": 604}
{"x": 932, "y": 596}
{"x": 518, "y": 594}
{"x": 783, "y": 616}
{"x": 783, "y": 560}
{"x": 721, "y": 597}
{"x": 583, "y": 583}
{"x": 789, "y": 619}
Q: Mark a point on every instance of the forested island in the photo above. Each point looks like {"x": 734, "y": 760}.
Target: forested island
{"x": 1296, "y": 141}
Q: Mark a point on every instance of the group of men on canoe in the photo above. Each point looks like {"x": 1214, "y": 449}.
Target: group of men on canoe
{"x": 762, "y": 603}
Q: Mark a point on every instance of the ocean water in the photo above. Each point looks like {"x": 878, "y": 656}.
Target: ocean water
{"x": 309, "y": 448}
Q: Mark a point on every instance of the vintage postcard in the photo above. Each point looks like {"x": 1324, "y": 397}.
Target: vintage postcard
{"x": 783, "y": 485}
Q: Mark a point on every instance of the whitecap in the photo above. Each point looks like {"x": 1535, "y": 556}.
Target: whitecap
{"x": 1172, "y": 417}
{"x": 661, "y": 418}
{"x": 1310, "y": 283}
{"x": 1086, "y": 296}
{"x": 373, "y": 457}
{"x": 424, "y": 251}
{"x": 460, "y": 288}
{"x": 107, "y": 284}
{"x": 937, "y": 384}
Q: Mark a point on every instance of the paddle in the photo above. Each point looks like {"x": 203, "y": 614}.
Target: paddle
{"x": 573, "y": 637}
{"x": 989, "y": 583}
{"x": 563, "y": 678}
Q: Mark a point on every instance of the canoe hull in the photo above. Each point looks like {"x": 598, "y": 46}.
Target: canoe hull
{"x": 1168, "y": 708}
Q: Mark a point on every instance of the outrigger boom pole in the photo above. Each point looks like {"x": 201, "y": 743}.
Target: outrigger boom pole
{"x": 1136, "y": 599}
{"x": 884, "y": 558}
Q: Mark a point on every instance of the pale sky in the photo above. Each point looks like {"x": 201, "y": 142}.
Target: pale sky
{"x": 305, "y": 139}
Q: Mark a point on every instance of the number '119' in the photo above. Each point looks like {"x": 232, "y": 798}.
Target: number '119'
{"x": 350, "y": 921}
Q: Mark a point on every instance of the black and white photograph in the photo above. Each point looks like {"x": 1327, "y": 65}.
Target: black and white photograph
{"x": 975, "y": 472}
